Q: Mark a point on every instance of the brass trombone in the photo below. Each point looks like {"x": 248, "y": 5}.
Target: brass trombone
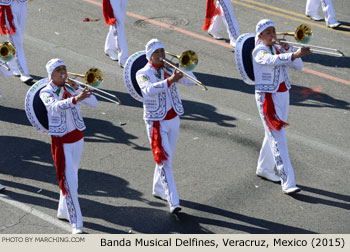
{"x": 303, "y": 35}
{"x": 93, "y": 79}
{"x": 188, "y": 60}
{"x": 7, "y": 53}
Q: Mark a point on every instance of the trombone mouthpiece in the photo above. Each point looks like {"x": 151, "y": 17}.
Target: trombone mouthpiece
{"x": 64, "y": 76}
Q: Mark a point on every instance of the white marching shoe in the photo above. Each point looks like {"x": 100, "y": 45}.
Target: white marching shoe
{"x": 159, "y": 197}
{"x": 315, "y": 17}
{"x": 334, "y": 25}
{"x": 291, "y": 190}
{"x": 233, "y": 44}
{"x": 26, "y": 79}
{"x": 77, "y": 230}
{"x": 112, "y": 55}
{"x": 62, "y": 217}
{"x": 215, "y": 35}
{"x": 175, "y": 209}
{"x": 16, "y": 73}
{"x": 269, "y": 176}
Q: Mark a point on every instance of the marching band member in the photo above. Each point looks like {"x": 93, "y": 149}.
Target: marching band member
{"x": 66, "y": 127}
{"x": 311, "y": 11}
{"x": 272, "y": 86}
{"x": 162, "y": 106}
{"x": 114, "y": 12}
{"x": 221, "y": 13}
{"x": 13, "y": 25}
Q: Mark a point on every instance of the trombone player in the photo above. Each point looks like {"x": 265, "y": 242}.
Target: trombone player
{"x": 272, "y": 86}
{"x": 162, "y": 107}
{"x": 66, "y": 127}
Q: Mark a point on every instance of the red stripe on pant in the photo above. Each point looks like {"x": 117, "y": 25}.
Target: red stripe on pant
{"x": 58, "y": 154}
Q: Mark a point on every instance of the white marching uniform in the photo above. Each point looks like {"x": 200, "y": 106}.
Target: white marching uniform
{"x": 159, "y": 99}
{"x": 228, "y": 18}
{"x": 19, "y": 12}
{"x": 270, "y": 71}
{"x": 116, "y": 38}
{"x": 327, "y": 8}
{"x": 64, "y": 117}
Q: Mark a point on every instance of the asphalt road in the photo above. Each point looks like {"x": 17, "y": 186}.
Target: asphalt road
{"x": 220, "y": 135}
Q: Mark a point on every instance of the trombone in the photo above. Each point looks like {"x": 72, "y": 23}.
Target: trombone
{"x": 93, "y": 79}
{"x": 7, "y": 53}
{"x": 188, "y": 60}
{"x": 303, "y": 35}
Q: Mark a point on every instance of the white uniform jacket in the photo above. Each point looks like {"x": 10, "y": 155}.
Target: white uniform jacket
{"x": 57, "y": 108}
{"x": 271, "y": 69}
{"x": 154, "y": 90}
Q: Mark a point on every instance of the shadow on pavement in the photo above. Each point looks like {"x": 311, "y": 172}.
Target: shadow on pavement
{"x": 195, "y": 111}
{"x": 299, "y": 95}
{"x": 318, "y": 200}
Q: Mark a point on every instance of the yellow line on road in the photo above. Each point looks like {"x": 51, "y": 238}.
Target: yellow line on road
{"x": 279, "y": 12}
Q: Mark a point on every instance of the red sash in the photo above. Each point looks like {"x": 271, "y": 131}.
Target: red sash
{"x": 58, "y": 154}
{"x": 108, "y": 12}
{"x": 5, "y": 11}
{"x": 210, "y": 12}
{"x": 272, "y": 120}
{"x": 159, "y": 154}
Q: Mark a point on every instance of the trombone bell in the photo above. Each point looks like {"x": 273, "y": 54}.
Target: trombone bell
{"x": 302, "y": 34}
{"x": 7, "y": 51}
{"x": 93, "y": 77}
{"x": 188, "y": 60}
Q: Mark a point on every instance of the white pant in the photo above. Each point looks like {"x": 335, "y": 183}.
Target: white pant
{"x": 116, "y": 39}
{"x": 228, "y": 18}
{"x": 163, "y": 180}
{"x": 274, "y": 150}
{"x": 68, "y": 206}
{"x": 19, "y": 12}
{"x": 327, "y": 7}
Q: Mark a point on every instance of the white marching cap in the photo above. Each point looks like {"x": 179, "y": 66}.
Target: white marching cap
{"x": 151, "y": 46}
{"x": 52, "y": 65}
{"x": 263, "y": 24}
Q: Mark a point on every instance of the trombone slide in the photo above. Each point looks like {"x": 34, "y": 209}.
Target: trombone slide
{"x": 186, "y": 74}
{"x": 330, "y": 51}
{"x": 320, "y": 49}
{"x": 97, "y": 94}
